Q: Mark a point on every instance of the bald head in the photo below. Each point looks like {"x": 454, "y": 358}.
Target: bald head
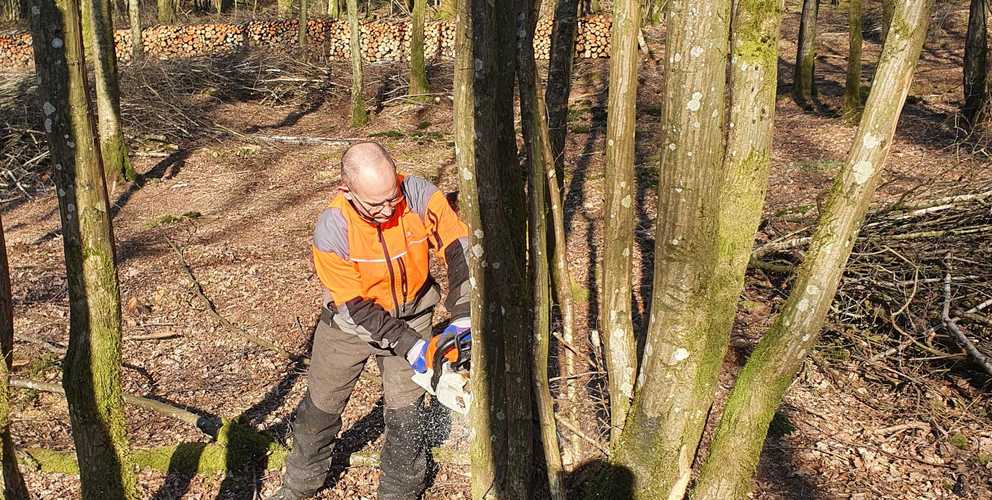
{"x": 369, "y": 174}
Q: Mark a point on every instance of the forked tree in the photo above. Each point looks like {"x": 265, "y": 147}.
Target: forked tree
{"x": 92, "y": 364}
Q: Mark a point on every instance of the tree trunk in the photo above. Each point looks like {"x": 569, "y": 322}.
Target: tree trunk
{"x": 852, "y": 90}
{"x": 359, "y": 116}
{"x": 560, "y": 79}
{"x": 500, "y": 417}
{"x": 333, "y": 9}
{"x": 304, "y": 8}
{"x": 618, "y": 331}
{"x": 134, "y": 16}
{"x": 283, "y": 7}
{"x": 99, "y": 27}
{"x": 976, "y": 62}
{"x": 92, "y": 364}
{"x": 772, "y": 366}
{"x": 888, "y": 6}
{"x": 418, "y": 67}
{"x": 11, "y": 482}
{"x": 166, "y": 12}
{"x": 681, "y": 357}
{"x": 803, "y": 86}
{"x": 10, "y": 10}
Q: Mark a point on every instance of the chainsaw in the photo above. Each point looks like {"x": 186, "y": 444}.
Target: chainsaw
{"x": 447, "y": 378}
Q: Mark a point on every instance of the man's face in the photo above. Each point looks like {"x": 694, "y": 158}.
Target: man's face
{"x": 375, "y": 196}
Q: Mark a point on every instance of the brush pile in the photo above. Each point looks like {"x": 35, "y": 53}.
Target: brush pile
{"x": 910, "y": 262}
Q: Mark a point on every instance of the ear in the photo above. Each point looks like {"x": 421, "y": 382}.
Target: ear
{"x": 343, "y": 189}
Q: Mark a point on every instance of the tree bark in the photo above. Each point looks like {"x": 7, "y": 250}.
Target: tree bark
{"x": 852, "y": 90}
{"x": 772, "y": 366}
{"x": 359, "y": 116}
{"x": 11, "y": 482}
{"x": 166, "y": 11}
{"x": 500, "y": 417}
{"x": 976, "y": 50}
{"x": 888, "y": 6}
{"x": 134, "y": 16}
{"x": 803, "y": 85}
{"x": 616, "y": 326}
{"x": 681, "y": 357}
{"x": 99, "y": 27}
{"x": 418, "y": 67}
{"x": 559, "y": 84}
{"x": 333, "y": 9}
{"x": 10, "y": 10}
{"x": 92, "y": 364}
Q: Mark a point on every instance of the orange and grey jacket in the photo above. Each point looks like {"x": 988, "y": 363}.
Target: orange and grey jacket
{"x": 378, "y": 274}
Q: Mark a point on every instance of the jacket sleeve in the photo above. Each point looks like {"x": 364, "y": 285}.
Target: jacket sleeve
{"x": 354, "y": 314}
{"x": 449, "y": 239}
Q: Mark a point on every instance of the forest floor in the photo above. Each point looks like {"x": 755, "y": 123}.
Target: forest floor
{"x": 242, "y": 211}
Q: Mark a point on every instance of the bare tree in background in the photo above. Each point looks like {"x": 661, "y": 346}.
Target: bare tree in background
{"x": 12, "y": 484}
{"x": 852, "y": 89}
{"x": 134, "y": 17}
{"x": 359, "y": 116}
{"x": 976, "y": 73}
{"x": 418, "y": 67}
{"x": 803, "y": 84}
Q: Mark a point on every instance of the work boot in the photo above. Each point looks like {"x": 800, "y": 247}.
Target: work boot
{"x": 285, "y": 493}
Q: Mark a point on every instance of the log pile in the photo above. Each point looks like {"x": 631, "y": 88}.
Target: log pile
{"x": 382, "y": 41}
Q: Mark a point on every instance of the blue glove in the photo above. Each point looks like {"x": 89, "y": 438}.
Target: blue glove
{"x": 422, "y": 355}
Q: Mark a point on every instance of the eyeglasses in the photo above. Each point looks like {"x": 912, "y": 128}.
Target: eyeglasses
{"x": 374, "y": 209}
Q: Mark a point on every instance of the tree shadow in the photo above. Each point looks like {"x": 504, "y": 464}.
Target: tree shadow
{"x": 586, "y": 481}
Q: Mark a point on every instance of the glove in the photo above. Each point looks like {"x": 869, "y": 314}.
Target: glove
{"x": 454, "y": 343}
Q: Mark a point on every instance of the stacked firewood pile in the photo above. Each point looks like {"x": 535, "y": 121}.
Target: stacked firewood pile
{"x": 15, "y": 51}
{"x": 382, "y": 41}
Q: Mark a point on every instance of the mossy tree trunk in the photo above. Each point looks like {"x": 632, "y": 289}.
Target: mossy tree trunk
{"x": 10, "y": 10}
{"x": 98, "y": 27}
{"x": 621, "y": 124}
{"x": 537, "y": 147}
{"x": 803, "y": 85}
{"x": 166, "y": 11}
{"x": 418, "y": 66}
{"x": 976, "y": 89}
{"x": 681, "y": 359}
{"x": 11, "y": 482}
{"x": 852, "y": 89}
{"x": 92, "y": 364}
{"x": 359, "y": 116}
{"x": 737, "y": 444}
{"x": 284, "y": 7}
{"x": 333, "y": 9}
{"x": 888, "y": 7}
{"x": 134, "y": 19}
{"x": 500, "y": 417}
{"x": 559, "y": 83}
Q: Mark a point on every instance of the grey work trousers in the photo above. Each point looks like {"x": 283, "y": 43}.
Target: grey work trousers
{"x": 335, "y": 366}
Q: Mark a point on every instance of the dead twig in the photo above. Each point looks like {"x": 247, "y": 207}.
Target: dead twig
{"x": 963, "y": 339}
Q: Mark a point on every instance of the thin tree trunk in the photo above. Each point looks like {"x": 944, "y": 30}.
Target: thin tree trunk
{"x": 681, "y": 356}
{"x": 359, "y": 116}
{"x": 333, "y": 9}
{"x": 976, "y": 62}
{"x": 538, "y": 236}
{"x": 803, "y": 85}
{"x": 134, "y": 16}
{"x": 10, "y": 10}
{"x": 772, "y": 366}
{"x": 92, "y": 364}
{"x": 283, "y": 7}
{"x": 500, "y": 416}
{"x": 560, "y": 79}
{"x": 618, "y": 331}
{"x": 166, "y": 11}
{"x": 888, "y": 6}
{"x": 99, "y": 26}
{"x": 852, "y": 90}
{"x": 418, "y": 67}
{"x": 11, "y": 482}
{"x": 302, "y": 28}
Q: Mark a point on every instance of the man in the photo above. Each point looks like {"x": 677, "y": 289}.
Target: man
{"x": 370, "y": 250}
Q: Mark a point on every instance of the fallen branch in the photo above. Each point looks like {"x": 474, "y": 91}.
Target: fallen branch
{"x": 963, "y": 339}
{"x": 205, "y": 424}
{"x": 153, "y": 336}
{"x": 221, "y": 320}
{"x": 566, "y": 424}
{"x": 308, "y": 141}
